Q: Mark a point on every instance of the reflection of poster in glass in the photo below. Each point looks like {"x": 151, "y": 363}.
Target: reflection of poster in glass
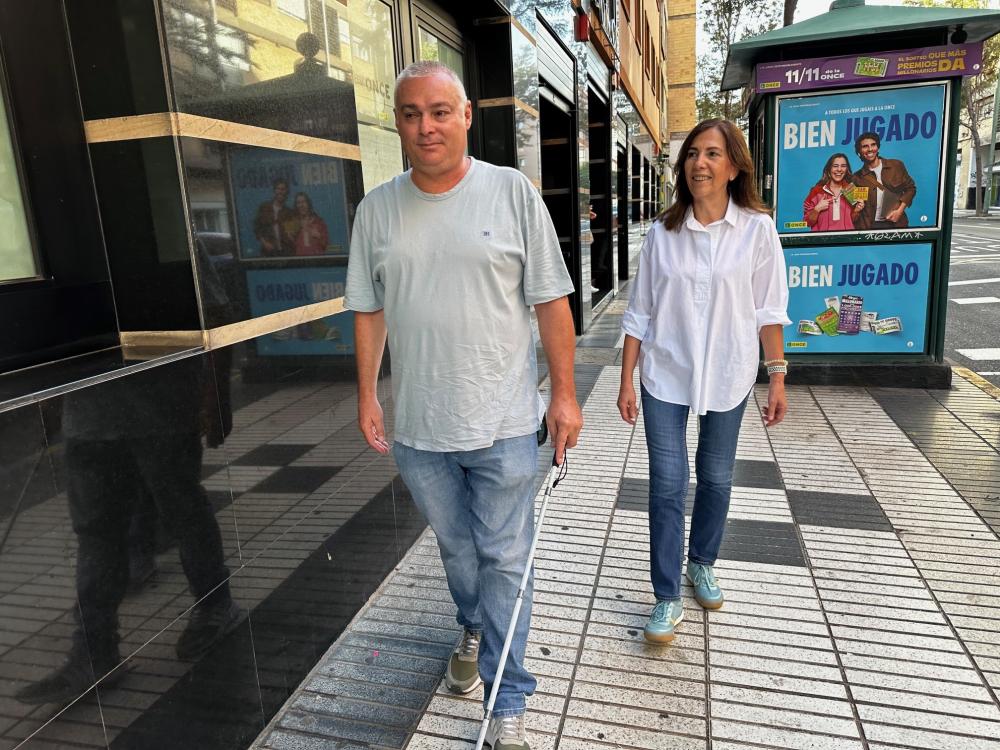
{"x": 858, "y": 299}
{"x": 860, "y": 160}
{"x": 381, "y": 155}
{"x": 288, "y": 205}
{"x": 276, "y": 289}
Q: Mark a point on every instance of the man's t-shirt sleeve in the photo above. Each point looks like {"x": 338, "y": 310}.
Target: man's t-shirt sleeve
{"x": 363, "y": 293}
{"x": 545, "y": 274}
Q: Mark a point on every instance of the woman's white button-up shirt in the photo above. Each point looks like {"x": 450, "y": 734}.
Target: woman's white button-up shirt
{"x": 698, "y": 302}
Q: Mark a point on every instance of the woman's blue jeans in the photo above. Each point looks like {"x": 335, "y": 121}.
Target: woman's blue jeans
{"x": 480, "y": 504}
{"x": 715, "y": 459}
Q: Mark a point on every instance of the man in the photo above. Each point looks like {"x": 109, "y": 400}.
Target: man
{"x": 891, "y": 189}
{"x": 272, "y": 225}
{"x": 447, "y": 258}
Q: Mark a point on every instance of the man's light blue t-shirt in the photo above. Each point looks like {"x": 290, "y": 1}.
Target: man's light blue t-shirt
{"x": 456, "y": 273}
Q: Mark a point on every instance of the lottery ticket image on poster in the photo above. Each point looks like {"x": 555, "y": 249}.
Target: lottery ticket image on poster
{"x": 860, "y": 160}
{"x": 858, "y": 298}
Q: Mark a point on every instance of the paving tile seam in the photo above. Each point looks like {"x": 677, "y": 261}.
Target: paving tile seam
{"x": 944, "y": 403}
{"x": 605, "y": 374}
{"x": 826, "y": 431}
{"x": 850, "y": 452}
{"x": 322, "y": 662}
{"x": 976, "y": 439}
{"x": 797, "y": 730}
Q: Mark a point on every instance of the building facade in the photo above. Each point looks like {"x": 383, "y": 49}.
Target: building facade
{"x": 178, "y": 180}
{"x": 970, "y": 160}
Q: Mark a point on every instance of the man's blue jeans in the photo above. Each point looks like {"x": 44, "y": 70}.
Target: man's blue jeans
{"x": 480, "y": 505}
{"x": 715, "y": 459}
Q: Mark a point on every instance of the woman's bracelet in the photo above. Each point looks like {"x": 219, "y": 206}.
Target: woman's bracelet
{"x": 776, "y": 365}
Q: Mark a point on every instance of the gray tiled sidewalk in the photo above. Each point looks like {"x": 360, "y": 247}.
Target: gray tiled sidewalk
{"x": 863, "y": 601}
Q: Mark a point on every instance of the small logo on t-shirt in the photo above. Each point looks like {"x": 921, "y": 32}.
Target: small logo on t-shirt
{"x": 486, "y": 233}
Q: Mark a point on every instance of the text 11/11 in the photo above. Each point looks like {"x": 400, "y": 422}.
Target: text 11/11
{"x": 803, "y": 75}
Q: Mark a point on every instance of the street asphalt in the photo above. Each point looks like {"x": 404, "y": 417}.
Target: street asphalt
{"x": 972, "y": 337}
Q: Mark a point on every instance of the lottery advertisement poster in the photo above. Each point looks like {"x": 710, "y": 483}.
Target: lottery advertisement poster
{"x": 860, "y": 160}
{"x": 858, "y": 299}
{"x": 289, "y": 205}
{"x": 275, "y": 289}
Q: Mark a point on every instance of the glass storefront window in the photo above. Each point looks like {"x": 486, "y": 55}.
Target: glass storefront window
{"x": 17, "y": 257}
{"x": 374, "y": 71}
{"x": 295, "y": 8}
{"x": 432, "y": 48}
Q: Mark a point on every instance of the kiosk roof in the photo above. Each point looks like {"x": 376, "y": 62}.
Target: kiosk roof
{"x": 849, "y": 20}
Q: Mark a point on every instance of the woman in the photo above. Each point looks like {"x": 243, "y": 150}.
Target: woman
{"x": 711, "y": 280}
{"x": 826, "y": 209}
{"x": 312, "y": 236}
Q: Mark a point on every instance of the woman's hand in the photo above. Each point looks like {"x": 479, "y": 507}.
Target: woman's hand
{"x": 627, "y": 406}
{"x": 777, "y": 403}
{"x": 823, "y": 204}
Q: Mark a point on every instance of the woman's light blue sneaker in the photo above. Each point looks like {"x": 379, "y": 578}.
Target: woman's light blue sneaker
{"x": 706, "y": 589}
{"x": 666, "y": 615}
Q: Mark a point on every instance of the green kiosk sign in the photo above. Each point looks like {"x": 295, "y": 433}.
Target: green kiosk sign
{"x": 855, "y": 153}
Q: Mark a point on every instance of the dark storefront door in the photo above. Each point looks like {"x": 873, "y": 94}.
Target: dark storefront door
{"x": 622, "y": 217}
{"x": 559, "y": 185}
{"x": 601, "y": 248}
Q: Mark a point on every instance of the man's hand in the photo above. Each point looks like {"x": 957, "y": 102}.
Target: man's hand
{"x": 555, "y": 326}
{"x": 565, "y": 420}
{"x": 895, "y": 214}
{"x": 369, "y": 343}
{"x": 371, "y": 426}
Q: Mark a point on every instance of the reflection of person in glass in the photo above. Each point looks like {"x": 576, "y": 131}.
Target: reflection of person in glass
{"x": 826, "y": 208}
{"x": 312, "y": 236}
{"x": 135, "y": 436}
{"x": 273, "y": 226}
{"x": 891, "y": 189}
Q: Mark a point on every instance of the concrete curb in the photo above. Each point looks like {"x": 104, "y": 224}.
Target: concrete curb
{"x": 977, "y": 380}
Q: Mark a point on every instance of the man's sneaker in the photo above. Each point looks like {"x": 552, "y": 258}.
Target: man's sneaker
{"x": 75, "y": 677}
{"x": 207, "y": 625}
{"x": 706, "y": 589}
{"x": 666, "y": 615}
{"x": 462, "y": 675}
{"x": 506, "y": 733}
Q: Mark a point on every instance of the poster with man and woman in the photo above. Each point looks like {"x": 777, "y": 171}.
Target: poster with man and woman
{"x": 289, "y": 205}
{"x": 861, "y": 160}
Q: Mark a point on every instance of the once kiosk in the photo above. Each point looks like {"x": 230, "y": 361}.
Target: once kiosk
{"x": 854, "y": 119}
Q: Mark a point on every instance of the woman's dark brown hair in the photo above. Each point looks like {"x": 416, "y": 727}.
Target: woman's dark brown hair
{"x": 743, "y": 189}
{"x": 827, "y": 176}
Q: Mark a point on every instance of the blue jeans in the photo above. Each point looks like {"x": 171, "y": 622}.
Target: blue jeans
{"x": 480, "y": 504}
{"x": 666, "y": 426}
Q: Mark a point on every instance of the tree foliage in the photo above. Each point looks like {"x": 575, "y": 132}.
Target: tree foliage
{"x": 723, "y": 22}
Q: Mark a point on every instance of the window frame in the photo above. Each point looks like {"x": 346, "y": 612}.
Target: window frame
{"x": 18, "y": 163}
{"x": 69, "y": 308}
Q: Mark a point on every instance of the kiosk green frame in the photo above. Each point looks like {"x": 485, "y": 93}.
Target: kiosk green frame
{"x": 882, "y": 69}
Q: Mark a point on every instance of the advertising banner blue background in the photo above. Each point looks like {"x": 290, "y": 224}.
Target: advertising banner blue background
{"x": 252, "y": 174}
{"x": 868, "y": 271}
{"x": 811, "y": 129}
{"x": 275, "y": 289}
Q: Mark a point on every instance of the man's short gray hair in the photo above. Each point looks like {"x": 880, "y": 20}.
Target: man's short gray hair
{"x": 427, "y": 69}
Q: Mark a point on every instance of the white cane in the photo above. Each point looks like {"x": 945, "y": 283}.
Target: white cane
{"x": 556, "y": 474}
